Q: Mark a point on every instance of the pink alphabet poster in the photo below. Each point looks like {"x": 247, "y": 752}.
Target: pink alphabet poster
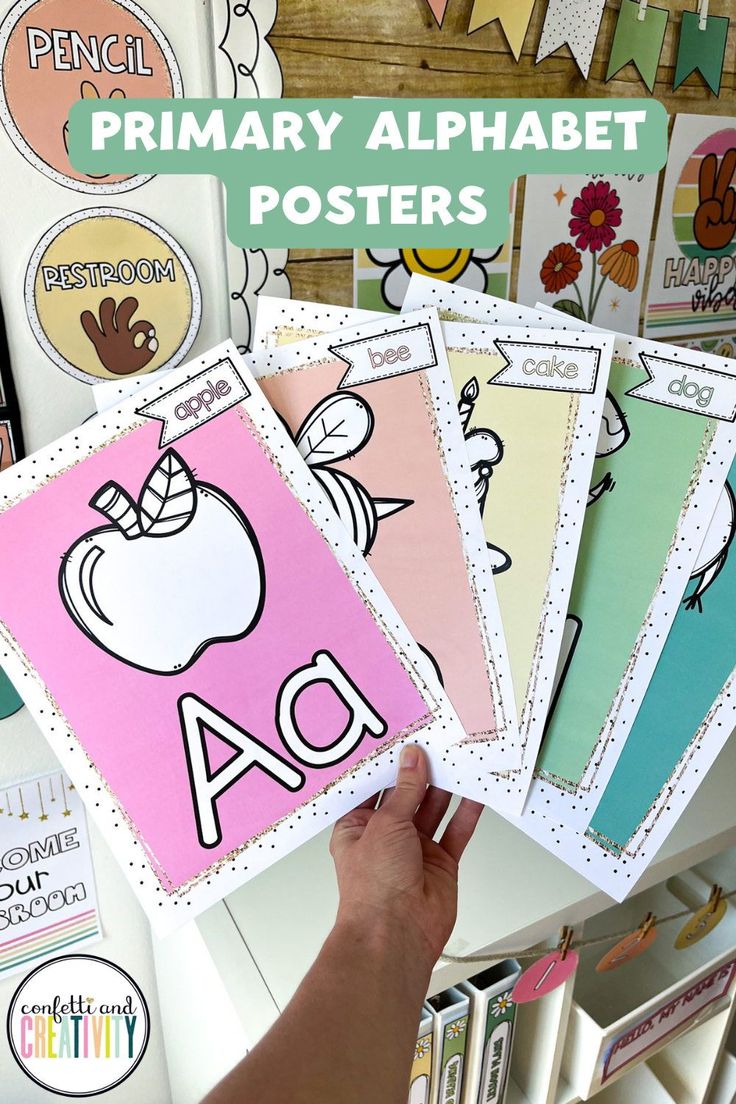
{"x": 204, "y": 647}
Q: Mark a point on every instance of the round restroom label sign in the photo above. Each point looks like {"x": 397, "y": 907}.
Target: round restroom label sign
{"x": 78, "y": 1025}
{"x": 110, "y": 293}
{"x": 55, "y": 52}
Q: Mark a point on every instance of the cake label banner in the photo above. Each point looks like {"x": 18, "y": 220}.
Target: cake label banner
{"x": 692, "y": 287}
{"x": 208, "y": 593}
{"x": 386, "y": 446}
{"x": 660, "y": 469}
{"x": 548, "y": 366}
{"x": 48, "y": 901}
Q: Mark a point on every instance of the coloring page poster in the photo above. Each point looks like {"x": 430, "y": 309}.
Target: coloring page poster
{"x": 373, "y": 414}
{"x": 48, "y": 900}
{"x": 665, "y": 447}
{"x": 688, "y": 713}
{"x": 692, "y": 286}
{"x": 530, "y": 404}
{"x": 192, "y": 582}
{"x": 382, "y": 275}
{"x": 584, "y": 244}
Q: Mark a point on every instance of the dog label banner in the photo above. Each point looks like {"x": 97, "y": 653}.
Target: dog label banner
{"x": 551, "y": 368}
{"x": 687, "y": 387}
{"x": 395, "y": 353}
{"x": 198, "y": 400}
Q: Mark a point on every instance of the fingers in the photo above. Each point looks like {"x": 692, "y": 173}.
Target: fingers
{"x": 107, "y": 315}
{"x": 411, "y": 785}
{"x": 125, "y": 312}
{"x": 369, "y": 803}
{"x": 461, "y": 827}
{"x": 434, "y": 806}
{"x": 729, "y": 203}
{"x": 707, "y": 176}
{"x": 725, "y": 173}
{"x": 91, "y": 327}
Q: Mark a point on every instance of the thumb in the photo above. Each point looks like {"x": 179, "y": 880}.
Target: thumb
{"x": 410, "y": 787}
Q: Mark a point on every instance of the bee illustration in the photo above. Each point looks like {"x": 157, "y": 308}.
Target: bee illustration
{"x": 485, "y": 452}
{"x": 336, "y": 429}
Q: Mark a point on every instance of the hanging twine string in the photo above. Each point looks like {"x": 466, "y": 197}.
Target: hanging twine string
{"x": 575, "y": 945}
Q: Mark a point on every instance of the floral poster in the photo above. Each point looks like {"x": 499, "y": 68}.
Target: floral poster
{"x": 584, "y": 245}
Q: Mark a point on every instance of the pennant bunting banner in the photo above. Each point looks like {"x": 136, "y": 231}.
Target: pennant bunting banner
{"x": 575, "y": 22}
{"x": 438, "y": 9}
{"x": 638, "y": 38}
{"x": 702, "y": 48}
{"x": 513, "y": 15}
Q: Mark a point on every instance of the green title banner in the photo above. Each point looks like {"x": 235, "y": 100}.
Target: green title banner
{"x": 368, "y": 172}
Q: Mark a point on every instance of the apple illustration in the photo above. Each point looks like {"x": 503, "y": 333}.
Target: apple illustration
{"x": 172, "y": 573}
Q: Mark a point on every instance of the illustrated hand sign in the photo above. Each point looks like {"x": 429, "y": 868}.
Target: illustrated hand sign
{"x": 118, "y": 344}
{"x": 715, "y": 218}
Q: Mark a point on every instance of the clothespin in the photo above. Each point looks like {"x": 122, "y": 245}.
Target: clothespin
{"x": 647, "y": 924}
{"x": 565, "y": 940}
{"x": 642, "y": 10}
{"x": 703, "y": 12}
{"x": 715, "y": 896}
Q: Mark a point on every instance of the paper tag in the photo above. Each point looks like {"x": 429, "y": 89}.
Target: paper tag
{"x": 199, "y": 400}
{"x": 699, "y": 390}
{"x": 409, "y": 349}
{"x": 558, "y": 368}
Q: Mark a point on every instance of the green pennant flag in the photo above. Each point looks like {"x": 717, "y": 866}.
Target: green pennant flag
{"x": 702, "y": 50}
{"x": 638, "y": 40}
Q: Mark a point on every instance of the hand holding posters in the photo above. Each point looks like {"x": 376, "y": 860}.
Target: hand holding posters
{"x": 200, "y": 641}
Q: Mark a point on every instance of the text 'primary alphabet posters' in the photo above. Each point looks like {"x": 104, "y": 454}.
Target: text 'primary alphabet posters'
{"x": 692, "y": 286}
{"x": 688, "y": 713}
{"x": 372, "y": 412}
{"x": 666, "y": 445}
{"x": 218, "y": 670}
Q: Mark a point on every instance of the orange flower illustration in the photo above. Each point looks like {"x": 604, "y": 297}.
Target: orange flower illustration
{"x": 561, "y": 267}
{"x": 620, "y": 263}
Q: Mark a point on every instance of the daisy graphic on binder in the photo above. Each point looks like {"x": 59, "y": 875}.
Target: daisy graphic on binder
{"x": 125, "y": 583}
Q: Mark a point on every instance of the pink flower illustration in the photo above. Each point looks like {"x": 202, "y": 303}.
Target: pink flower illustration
{"x": 596, "y": 212}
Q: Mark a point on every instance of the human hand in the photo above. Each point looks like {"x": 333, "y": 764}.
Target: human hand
{"x": 390, "y": 869}
{"x": 714, "y": 224}
{"x": 116, "y": 341}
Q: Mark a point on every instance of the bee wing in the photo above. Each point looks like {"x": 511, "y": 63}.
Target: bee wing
{"x": 338, "y": 427}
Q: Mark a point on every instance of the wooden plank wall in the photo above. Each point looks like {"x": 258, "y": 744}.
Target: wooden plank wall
{"x": 394, "y": 48}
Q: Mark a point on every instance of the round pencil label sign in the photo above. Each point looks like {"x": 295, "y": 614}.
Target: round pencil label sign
{"x": 78, "y": 1025}
{"x": 110, "y": 293}
{"x": 55, "y": 52}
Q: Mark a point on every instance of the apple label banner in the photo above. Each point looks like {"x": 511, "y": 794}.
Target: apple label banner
{"x": 372, "y": 412}
{"x": 692, "y": 286}
{"x": 667, "y": 442}
{"x": 688, "y": 713}
{"x": 218, "y": 670}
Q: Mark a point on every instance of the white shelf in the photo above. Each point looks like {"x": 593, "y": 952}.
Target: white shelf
{"x": 513, "y": 893}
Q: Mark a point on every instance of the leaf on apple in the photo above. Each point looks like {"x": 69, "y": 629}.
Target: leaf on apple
{"x": 168, "y": 498}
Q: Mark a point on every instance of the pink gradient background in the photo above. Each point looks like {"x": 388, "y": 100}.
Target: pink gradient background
{"x": 418, "y": 556}
{"x": 127, "y": 719}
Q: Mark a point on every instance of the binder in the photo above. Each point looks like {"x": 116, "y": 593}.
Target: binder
{"x": 451, "y": 1009}
{"x": 420, "y": 1084}
{"x": 490, "y": 1032}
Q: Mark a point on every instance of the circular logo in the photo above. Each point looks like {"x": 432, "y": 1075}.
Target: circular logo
{"x": 109, "y": 293}
{"x": 55, "y": 52}
{"x": 78, "y": 1025}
